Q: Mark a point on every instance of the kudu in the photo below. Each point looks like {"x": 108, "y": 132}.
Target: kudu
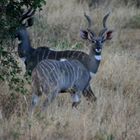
{"x": 53, "y": 76}
{"x": 32, "y": 56}
{"x": 94, "y": 56}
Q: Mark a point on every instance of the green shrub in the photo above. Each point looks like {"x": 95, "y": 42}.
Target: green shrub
{"x": 11, "y": 11}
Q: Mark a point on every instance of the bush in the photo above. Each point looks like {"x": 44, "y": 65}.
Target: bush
{"x": 11, "y": 11}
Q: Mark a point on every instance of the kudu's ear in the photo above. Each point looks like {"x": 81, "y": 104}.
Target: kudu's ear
{"x": 84, "y": 34}
{"x": 108, "y": 35}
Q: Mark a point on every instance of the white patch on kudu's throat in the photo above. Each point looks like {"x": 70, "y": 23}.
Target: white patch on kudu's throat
{"x": 98, "y": 57}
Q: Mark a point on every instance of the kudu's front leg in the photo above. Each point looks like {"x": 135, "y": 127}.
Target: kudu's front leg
{"x": 89, "y": 94}
{"x": 49, "y": 98}
{"x": 34, "y": 103}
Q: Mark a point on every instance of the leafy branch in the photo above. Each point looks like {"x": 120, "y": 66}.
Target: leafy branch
{"x": 10, "y": 13}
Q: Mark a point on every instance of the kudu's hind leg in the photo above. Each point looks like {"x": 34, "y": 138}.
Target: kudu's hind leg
{"x": 34, "y": 102}
{"x": 89, "y": 94}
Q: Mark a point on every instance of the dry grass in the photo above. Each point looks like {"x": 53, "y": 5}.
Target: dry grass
{"x": 116, "y": 114}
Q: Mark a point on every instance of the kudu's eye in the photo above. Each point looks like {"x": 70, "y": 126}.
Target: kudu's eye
{"x": 94, "y": 41}
{"x": 102, "y": 41}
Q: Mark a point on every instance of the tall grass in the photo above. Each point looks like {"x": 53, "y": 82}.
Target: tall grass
{"x": 115, "y": 115}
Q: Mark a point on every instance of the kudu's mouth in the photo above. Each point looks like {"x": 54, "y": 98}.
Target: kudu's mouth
{"x": 98, "y": 50}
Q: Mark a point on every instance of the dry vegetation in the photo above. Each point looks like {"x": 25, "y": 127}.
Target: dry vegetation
{"x": 116, "y": 114}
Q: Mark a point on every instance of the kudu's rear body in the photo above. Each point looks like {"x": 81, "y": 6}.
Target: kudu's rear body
{"x": 51, "y": 77}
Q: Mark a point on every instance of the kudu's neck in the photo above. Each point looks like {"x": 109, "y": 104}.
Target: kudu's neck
{"x": 24, "y": 46}
{"x": 95, "y": 60}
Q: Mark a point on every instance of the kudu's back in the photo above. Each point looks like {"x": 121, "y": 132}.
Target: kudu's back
{"x": 45, "y": 53}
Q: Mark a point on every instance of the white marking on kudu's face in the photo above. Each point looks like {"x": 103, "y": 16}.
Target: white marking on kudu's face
{"x": 98, "y": 50}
